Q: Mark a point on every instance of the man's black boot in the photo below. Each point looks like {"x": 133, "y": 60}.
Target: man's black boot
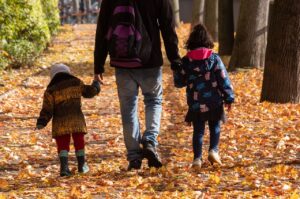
{"x": 149, "y": 152}
{"x": 134, "y": 164}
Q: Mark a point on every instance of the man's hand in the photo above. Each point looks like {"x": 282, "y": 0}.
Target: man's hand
{"x": 228, "y": 106}
{"x": 99, "y": 78}
{"x": 188, "y": 124}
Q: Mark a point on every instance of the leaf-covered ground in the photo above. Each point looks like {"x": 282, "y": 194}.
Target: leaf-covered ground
{"x": 260, "y": 143}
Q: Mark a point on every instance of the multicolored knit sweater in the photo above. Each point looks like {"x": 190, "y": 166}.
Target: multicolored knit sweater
{"x": 206, "y": 79}
{"x": 62, "y": 102}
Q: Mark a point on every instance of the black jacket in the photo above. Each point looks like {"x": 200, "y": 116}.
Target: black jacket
{"x": 157, "y": 16}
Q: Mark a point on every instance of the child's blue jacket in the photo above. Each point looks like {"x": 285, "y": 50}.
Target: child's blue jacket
{"x": 206, "y": 80}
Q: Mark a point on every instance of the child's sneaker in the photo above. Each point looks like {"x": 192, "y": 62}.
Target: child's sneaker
{"x": 213, "y": 157}
{"x": 197, "y": 163}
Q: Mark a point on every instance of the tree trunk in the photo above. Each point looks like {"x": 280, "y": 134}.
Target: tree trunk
{"x": 271, "y": 10}
{"x": 99, "y": 3}
{"x": 176, "y": 11}
{"x": 251, "y": 37}
{"x": 211, "y": 18}
{"x": 76, "y": 10}
{"x": 226, "y": 27}
{"x": 281, "y": 82}
{"x": 89, "y": 15}
{"x": 198, "y": 12}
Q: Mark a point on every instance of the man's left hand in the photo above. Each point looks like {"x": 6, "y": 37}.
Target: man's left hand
{"x": 99, "y": 78}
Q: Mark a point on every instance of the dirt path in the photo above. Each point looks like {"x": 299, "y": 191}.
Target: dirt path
{"x": 259, "y": 144}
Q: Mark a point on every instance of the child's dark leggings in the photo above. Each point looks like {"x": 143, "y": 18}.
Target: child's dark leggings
{"x": 199, "y": 128}
{"x": 63, "y": 142}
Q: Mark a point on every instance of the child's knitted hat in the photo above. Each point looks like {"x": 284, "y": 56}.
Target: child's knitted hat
{"x": 59, "y": 68}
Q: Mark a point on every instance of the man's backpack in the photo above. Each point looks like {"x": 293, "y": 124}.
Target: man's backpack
{"x": 129, "y": 44}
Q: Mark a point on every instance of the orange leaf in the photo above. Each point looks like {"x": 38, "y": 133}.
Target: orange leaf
{"x": 3, "y": 184}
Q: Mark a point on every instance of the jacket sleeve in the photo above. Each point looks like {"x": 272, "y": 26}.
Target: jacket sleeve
{"x": 223, "y": 81}
{"x": 101, "y": 48}
{"x": 189, "y": 117}
{"x": 89, "y": 91}
{"x": 47, "y": 110}
{"x": 180, "y": 76}
{"x": 167, "y": 28}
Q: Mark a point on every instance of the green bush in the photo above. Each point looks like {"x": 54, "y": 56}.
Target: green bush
{"x": 3, "y": 57}
{"x": 23, "y": 52}
{"x": 51, "y": 11}
{"x": 4, "y": 61}
{"x": 25, "y": 29}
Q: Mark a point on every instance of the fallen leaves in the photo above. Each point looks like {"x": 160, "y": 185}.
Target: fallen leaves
{"x": 3, "y": 184}
{"x": 295, "y": 195}
{"x": 215, "y": 179}
{"x": 259, "y": 144}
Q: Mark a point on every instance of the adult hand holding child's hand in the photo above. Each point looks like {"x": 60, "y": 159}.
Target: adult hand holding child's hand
{"x": 99, "y": 78}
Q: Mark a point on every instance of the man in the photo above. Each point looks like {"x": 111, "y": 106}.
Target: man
{"x": 157, "y": 16}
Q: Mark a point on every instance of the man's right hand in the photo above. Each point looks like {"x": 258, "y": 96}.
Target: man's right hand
{"x": 99, "y": 78}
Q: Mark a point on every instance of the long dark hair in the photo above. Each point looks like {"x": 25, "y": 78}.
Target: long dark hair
{"x": 199, "y": 37}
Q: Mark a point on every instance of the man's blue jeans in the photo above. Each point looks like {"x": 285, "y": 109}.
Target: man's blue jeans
{"x": 199, "y": 128}
{"x": 128, "y": 82}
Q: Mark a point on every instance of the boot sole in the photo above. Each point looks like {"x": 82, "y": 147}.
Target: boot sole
{"x": 135, "y": 167}
{"x": 65, "y": 174}
{"x": 83, "y": 172}
{"x": 84, "y": 169}
{"x": 152, "y": 159}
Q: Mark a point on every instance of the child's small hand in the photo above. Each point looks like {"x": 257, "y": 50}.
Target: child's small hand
{"x": 228, "y": 106}
{"x": 39, "y": 127}
{"x": 97, "y": 85}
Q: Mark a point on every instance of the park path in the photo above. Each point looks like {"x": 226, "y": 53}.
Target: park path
{"x": 259, "y": 143}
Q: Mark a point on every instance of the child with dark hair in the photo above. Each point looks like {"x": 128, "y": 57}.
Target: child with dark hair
{"x": 208, "y": 88}
{"x": 62, "y": 104}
